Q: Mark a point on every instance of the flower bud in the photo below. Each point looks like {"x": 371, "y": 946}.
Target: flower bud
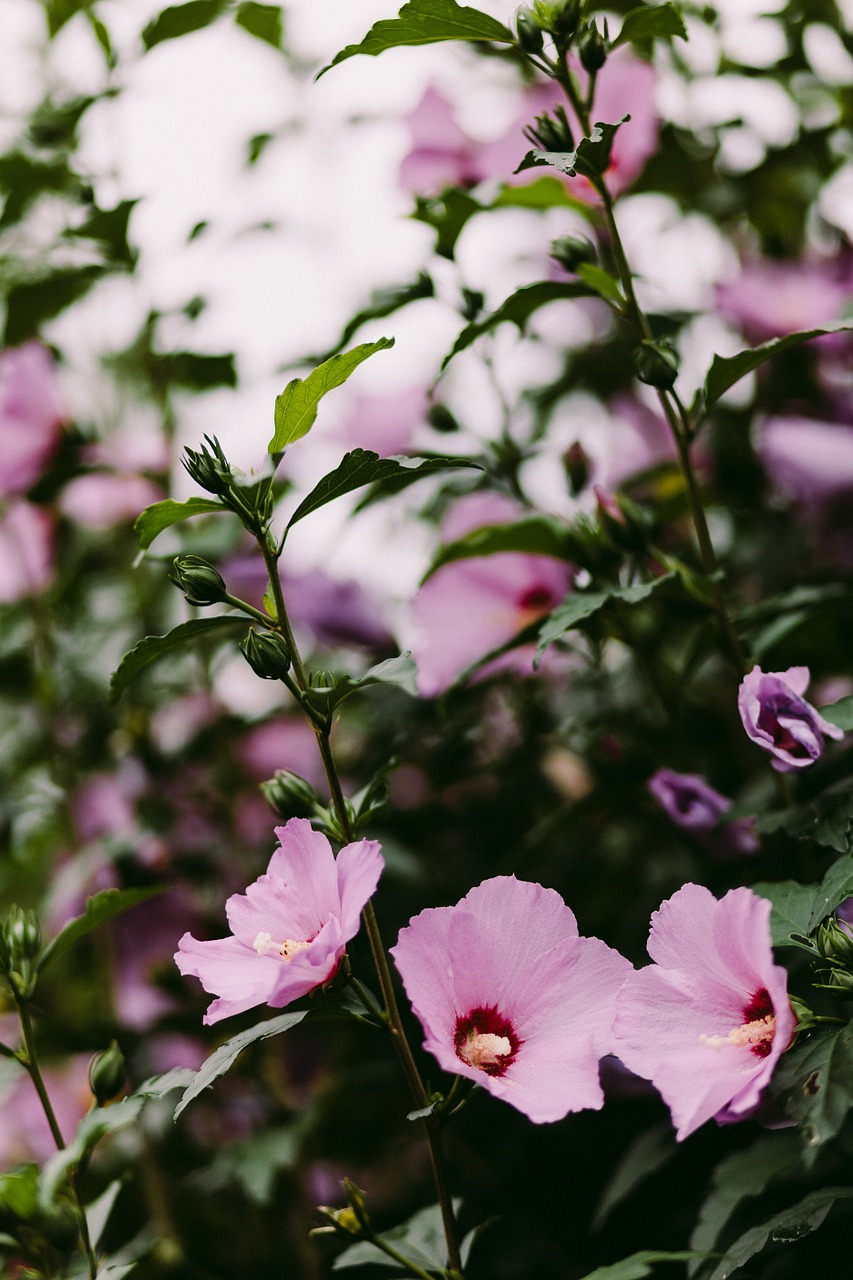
{"x": 199, "y": 580}
{"x": 576, "y": 467}
{"x": 572, "y": 251}
{"x": 657, "y": 365}
{"x": 528, "y": 32}
{"x": 622, "y": 520}
{"x": 593, "y": 48}
{"x": 290, "y": 796}
{"x": 209, "y": 467}
{"x": 107, "y": 1074}
{"x": 551, "y": 133}
{"x": 267, "y": 654}
{"x": 560, "y": 17}
{"x": 22, "y": 934}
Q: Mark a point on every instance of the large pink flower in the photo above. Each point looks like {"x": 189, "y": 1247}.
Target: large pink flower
{"x": 289, "y": 928}
{"x": 707, "y": 1021}
{"x": 31, "y": 415}
{"x": 510, "y": 996}
{"x": 470, "y": 607}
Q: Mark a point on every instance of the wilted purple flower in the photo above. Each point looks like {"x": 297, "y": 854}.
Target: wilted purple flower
{"x": 510, "y": 996}
{"x": 707, "y": 1021}
{"x": 776, "y": 716}
{"x": 290, "y": 928}
{"x": 26, "y": 550}
{"x": 31, "y": 415}
{"x": 694, "y": 805}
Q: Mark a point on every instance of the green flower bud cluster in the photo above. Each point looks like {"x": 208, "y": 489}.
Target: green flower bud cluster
{"x": 20, "y": 947}
{"x": 593, "y": 47}
{"x": 200, "y": 582}
{"x": 551, "y": 133}
{"x": 834, "y": 943}
{"x": 211, "y": 470}
{"x": 560, "y": 18}
{"x": 290, "y": 796}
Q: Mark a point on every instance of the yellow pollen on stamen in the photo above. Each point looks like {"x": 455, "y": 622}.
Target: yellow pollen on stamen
{"x": 290, "y": 947}
{"x": 759, "y": 1031}
{"x": 484, "y": 1050}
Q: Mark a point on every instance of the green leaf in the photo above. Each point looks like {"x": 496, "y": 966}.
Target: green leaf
{"x": 518, "y": 308}
{"x": 783, "y": 1228}
{"x": 827, "y": 819}
{"x": 602, "y": 282}
{"x": 426, "y": 22}
{"x": 421, "y": 1238}
{"x": 29, "y": 305}
{"x": 101, "y": 907}
{"x": 401, "y": 671}
{"x": 181, "y": 19}
{"x": 98, "y": 1212}
{"x": 94, "y": 1126}
{"x": 362, "y": 466}
{"x": 648, "y": 1152}
{"x": 590, "y": 158}
{"x": 19, "y": 1191}
{"x": 792, "y": 908}
{"x": 661, "y": 22}
{"x": 546, "y": 192}
{"x": 534, "y": 535}
{"x": 162, "y": 515}
{"x": 263, "y": 21}
{"x": 578, "y": 607}
{"x": 814, "y": 1084}
{"x": 151, "y": 648}
{"x": 638, "y": 1266}
{"x": 725, "y": 371}
{"x": 840, "y": 713}
{"x": 227, "y": 1054}
{"x": 296, "y": 407}
{"x": 836, "y": 885}
{"x": 745, "y": 1173}
{"x": 109, "y": 228}
{"x": 447, "y": 214}
{"x": 58, "y": 13}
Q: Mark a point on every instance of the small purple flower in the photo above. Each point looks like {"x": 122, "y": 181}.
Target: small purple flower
{"x": 707, "y": 1022}
{"x": 695, "y": 806}
{"x": 289, "y": 928}
{"x": 511, "y": 997}
{"x": 776, "y": 716}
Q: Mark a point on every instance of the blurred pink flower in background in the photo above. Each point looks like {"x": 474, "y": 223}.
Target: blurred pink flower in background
{"x": 26, "y": 550}
{"x": 384, "y": 423}
{"x": 24, "y": 1131}
{"x": 290, "y": 928}
{"x": 101, "y": 498}
{"x": 696, "y": 807}
{"x": 143, "y": 944}
{"x": 283, "y": 742}
{"x": 810, "y": 462}
{"x": 510, "y": 996}
{"x": 473, "y": 606}
{"x": 777, "y": 717}
{"x": 771, "y": 298}
{"x": 31, "y": 415}
{"x": 707, "y": 1021}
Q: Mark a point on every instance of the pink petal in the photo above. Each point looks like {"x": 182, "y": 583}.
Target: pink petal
{"x": 422, "y": 958}
{"x": 225, "y": 967}
{"x": 359, "y": 867}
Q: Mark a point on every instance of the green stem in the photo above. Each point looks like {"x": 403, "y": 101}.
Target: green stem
{"x": 31, "y": 1064}
{"x": 410, "y": 1266}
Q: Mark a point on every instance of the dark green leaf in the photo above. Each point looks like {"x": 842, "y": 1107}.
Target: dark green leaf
{"x": 94, "y": 1126}
{"x": 828, "y": 818}
{"x": 534, "y": 535}
{"x": 638, "y": 1266}
{"x": 783, "y": 1228}
{"x": 254, "y": 1163}
{"x": 659, "y": 22}
{"x": 296, "y": 407}
{"x": 181, "y": 19}
{"x": 726, "y": 371}
{"x": 518, "y": 308}
{"x": 264, "y": 21}
{"x": 590, "y": 158}
{"x": 578, "y": 607}
{"x": 101, "y": 907}
{"x": 383, "y": 303}
{"x": 162, "y": 515}
{"x": 102, "y": 36}
{"x": 836, "y": 885}
{"x": 814, "y": 1083}
{"x": 745, "y": 1173}
{"x": 151, "y": 648}
{"x": 109, "y": 227}
{"x": 401, "y": 671}
{"x": 58, "y": 13}
{"x": 29, "y": 305}
{"x": 792, "y": 907}
{"x": 840, "y": 713}
{"x": 193, "y": 369}
{"x": 646, "y": 1154}
{"x": 447, "y": 214}
{"x": 227, "y": 1054}
{"x": 426, "y": 22}
{"x": 362, "y": 466}
{"x": 25, "y": 178}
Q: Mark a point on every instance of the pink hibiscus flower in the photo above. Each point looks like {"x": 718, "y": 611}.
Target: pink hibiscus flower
{"x": 777, "y": 717}
{"x": 290, "y": 928}
{"x": 707, "y": 1021}
{"x": 510, "y": 996}
{"x": 31, "y": 415}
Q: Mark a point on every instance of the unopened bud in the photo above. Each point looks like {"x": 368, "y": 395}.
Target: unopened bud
{"x": 22, "y": 934}
{"x": 576, "y": 467}
{"x": 657, "y": 365}
{"x": 572, "y": 251}
{"x": 290, "y": 796}
{"x": 267, "y": 654}
{"x": 199, "y": 580}
{"x": 551, "y": 133}
{"x": 621, "y": 520}
{"x": 107, "y": 1074}
{"x": 593, "y": 48}
{"x": 209, "y": 467}
{"x": 528, "y": 32}
{"x": 560, "y": 17}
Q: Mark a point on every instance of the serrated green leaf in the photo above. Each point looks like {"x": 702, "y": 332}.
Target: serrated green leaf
{"x": 362, "y": 466}
{"x": 590, "y": 158}
{"x": 725, "y": 371}
{"x": 743, "y": 1174}
{"x": 660, "y": 22}
{"x": 581, "y": 605}
{"x": 517, "y": 309}
{"x": 814, "y": 1084}
{"x": 649, "y": 1152}
{"x": 638, "y": 1266}
{"x": 426, "y": 22}
{"x": 263, "y": 21}
{"x": 602, "y": 282}
{"x": 840, "y": 713}
{"x": 447, "y": 214}
{"x": 152, "y": 648}
{"x": 783, "y": 1228}
{"x": 181, "y": 19}
{"x": 534, "y": 535}
{"x": 162, "y": 515}
{"x": 296, "y": 407}
{"x": 793, "y": 904}
{"x": 101, "y": 907}
{"x": 227, "y": 1054}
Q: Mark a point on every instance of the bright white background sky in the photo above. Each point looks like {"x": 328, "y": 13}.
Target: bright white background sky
{"x": 176, "y": 137}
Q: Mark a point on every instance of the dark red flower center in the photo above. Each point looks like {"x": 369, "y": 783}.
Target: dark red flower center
{"x": 485, "y": 1039}
{"x": 760, "y": 1009}
{"x": 536, "y": 600}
